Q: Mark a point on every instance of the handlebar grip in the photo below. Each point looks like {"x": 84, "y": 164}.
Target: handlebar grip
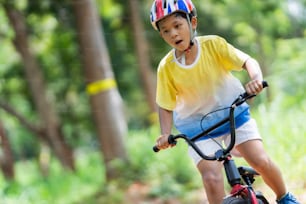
{"x": 265, "y": 84}
{"x": 171, "y": 141}
{"x": 246, "y": 95}
{"x": 155, "y": 149}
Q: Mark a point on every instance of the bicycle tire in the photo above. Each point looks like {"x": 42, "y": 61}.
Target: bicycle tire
{"x": 235, "y": 200}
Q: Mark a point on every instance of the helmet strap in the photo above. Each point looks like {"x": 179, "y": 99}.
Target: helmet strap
{"x": 192, "y": 33}
{"x": 182, "y": 58}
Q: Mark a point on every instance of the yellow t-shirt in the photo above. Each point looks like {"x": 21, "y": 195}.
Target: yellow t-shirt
{"x": 204, "y": 85}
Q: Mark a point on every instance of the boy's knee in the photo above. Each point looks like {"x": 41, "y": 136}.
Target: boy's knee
{"x": 262, "y": 163}
{"x": 211, "y": 173}
{"x": 212, "y": 178}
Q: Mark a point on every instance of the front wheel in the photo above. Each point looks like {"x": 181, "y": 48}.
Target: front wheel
{"x": 237, "y": 200}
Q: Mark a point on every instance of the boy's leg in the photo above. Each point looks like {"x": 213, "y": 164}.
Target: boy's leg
{"x": 254, "y": 153}
{"x": 212, "y": 177}
{"x": 211, "y": 171}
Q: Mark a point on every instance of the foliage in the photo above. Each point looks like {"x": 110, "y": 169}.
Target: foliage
{"x": 274, "y": 34}
{"x": 289, "y": 69}
{"x": 59, "y": 187}
{"x": 168, "y": 174}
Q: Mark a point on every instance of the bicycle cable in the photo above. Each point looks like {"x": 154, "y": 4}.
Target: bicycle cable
{"x": 201, "y": 122}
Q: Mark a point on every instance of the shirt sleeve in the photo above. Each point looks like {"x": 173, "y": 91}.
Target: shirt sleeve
{"x": 231, "y": 57}
{"x": 165, "y": 92}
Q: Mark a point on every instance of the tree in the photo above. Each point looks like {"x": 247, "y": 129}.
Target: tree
{"x": 49, "y": 120}
{"x": 142, "y": 54}
{"x": 105, "y": 100}
{"x": 6, "y": 156}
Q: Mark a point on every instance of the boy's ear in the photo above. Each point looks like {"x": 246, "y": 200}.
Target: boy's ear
{"x": 194, "y": 22}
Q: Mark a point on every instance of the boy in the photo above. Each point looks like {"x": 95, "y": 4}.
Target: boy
{"x": 194, "y": 79}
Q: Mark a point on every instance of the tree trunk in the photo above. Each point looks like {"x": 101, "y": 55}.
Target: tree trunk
{"x": 49, "y": 119}
{"x": 146, "y": 73}
{"x": 105, "y": 100}
{"x": 6, "y": 155}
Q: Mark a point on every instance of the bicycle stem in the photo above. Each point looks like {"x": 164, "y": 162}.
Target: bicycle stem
{"x": 231, "y": 171}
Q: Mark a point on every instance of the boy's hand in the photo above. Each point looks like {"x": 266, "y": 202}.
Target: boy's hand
{"x": 162, "y": 142}
{"x": 254, "y": 87}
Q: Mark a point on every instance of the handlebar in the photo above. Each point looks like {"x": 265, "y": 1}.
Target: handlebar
{"x": 219, "y": 155}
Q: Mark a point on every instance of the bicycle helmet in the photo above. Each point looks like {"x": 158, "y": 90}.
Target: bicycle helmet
{"x": 163, "y": 8}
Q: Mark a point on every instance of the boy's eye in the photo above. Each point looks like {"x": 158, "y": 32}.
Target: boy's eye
{"x": 177, "y": 25}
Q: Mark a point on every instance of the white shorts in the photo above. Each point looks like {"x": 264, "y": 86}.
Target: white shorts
{"x": 246, "y": 132}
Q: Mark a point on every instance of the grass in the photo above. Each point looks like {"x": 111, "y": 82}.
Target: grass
{"x": 168, "y": 174}
{"x": 61, "y": 187}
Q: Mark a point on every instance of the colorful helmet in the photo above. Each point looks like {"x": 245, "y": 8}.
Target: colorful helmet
{"x": 162, "y": 8}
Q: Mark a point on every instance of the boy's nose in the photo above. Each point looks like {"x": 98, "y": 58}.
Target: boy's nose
{"x": 173, "y": 34}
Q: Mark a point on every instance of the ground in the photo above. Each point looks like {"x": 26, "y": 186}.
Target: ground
{"x": 137, "y": 193}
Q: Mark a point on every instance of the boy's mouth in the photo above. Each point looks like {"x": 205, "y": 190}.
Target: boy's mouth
{"x": 178, "y": 42}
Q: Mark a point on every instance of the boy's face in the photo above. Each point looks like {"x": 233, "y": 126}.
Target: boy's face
{"x": 174, "y": 29}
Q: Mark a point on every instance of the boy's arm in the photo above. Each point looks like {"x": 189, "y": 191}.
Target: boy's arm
{"x": 255, "y": 74}
{"x": 165, "y": 120}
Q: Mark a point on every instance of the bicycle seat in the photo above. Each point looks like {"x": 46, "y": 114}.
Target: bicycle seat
{"x": 247, "y": 171}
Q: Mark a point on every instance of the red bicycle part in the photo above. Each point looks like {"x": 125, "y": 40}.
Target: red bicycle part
{"x": 244, "y": 192}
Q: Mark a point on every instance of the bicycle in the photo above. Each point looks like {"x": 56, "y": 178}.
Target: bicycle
{"x": 239, "y": 178}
